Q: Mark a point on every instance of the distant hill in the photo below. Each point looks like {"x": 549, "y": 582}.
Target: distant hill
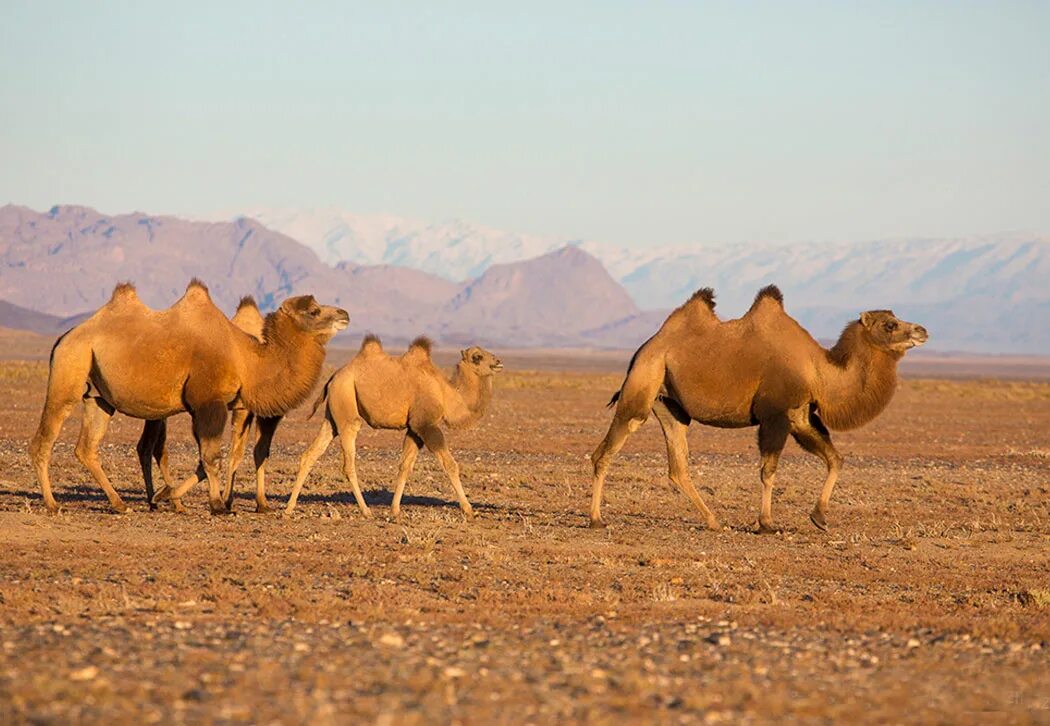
{"x": 65, "y": 262}
{"x": 985, "y": 294}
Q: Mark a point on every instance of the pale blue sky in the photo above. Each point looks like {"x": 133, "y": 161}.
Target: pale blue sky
{"x": 633, "y": 123}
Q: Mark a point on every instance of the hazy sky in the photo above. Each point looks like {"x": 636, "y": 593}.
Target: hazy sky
{"x": 633, "y": 123}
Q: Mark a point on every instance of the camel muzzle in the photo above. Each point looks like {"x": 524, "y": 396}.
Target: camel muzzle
{"x": 918, "y": 336}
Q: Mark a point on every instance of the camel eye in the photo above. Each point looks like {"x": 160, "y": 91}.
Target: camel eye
{"x": 476, "y": 358}
{"x": 890, "y": 327}
{"x": 315, "y": 313}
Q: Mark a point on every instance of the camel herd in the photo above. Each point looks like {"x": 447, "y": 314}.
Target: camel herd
{"x": 762, "y": 369}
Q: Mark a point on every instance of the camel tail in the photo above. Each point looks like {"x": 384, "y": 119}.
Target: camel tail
{"x": 630, "y": 367}
{"x": 321, "y": 398}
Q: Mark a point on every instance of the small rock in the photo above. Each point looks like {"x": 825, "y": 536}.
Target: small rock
{"x": 183, "y": 625}
{"x": 89, "y": 673}
{"x": 454, "y": 672}
{"x": 392, "y": 640}
{"x": 913, "y": 643}
{"x": 719, "y": 639}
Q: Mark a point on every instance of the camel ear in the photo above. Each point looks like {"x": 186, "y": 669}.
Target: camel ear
{"x": 867, "y": 319}
{"x": 464, "y": 353}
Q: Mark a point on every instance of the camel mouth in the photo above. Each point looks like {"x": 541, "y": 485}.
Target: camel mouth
{"x": 497, "y": 366}
{"x": 341, "y": 323}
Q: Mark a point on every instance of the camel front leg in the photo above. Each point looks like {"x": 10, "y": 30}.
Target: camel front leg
{"x": 240, "y": 426}
{"x": 308, "y": 459}
{"x": 812, "y": 436}
{"x": 675, "y": 425}
{"x": 266, "y": 428}
{"x": 772, "y": 435}
{"x": 435, "y": 442}
{"x": 97, "y": 414}
{"x": 409, "y": 451}
{"x": 56, "y": 410}
{"x": 615, "y": 437}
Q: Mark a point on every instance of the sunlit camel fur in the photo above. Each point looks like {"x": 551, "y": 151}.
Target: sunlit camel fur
{"x": 151, "y": 444}
{"x": 760, "y": 370}
{"x": 407, "y": 392}
{"x": 152, "y": 364}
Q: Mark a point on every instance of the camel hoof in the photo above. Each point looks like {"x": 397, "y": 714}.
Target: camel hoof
{"x": 817, "y": 518}
{"x": 598, "y": 524}
{"x": 120, "y": 508}
{"x": 367, "y": 514}
{"x": 767, "y": 529}
{"x": 262, "y": 508}
{"x": 163, "y": 494}
{"x": 714, "y": 526}
{"x": 286, "y": 514}
{"x": 218, "y": 509}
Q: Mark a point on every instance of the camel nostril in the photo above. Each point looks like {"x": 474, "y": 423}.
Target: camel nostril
{"x": 921, "y": 331}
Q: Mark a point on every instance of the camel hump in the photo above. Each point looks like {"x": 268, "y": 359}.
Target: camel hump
{"x": 196, "y": 292}
{"x": 371, "y": 344}
{"x": 124, "y": 291}
{"x": 706, "y": 295}
{"x": 772, "y": 292}
{"x": 247, "y": 302}
{"x": 418, "y": 350}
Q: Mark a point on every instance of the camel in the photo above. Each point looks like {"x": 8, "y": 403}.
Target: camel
{"x": 153, "y": 364}
{"x": 154, "y": 434}
{"x": 407, "y": 392}
{"x": 763, "y": 370}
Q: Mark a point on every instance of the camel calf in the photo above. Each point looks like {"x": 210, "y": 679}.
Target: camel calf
{"x": 407, "y": 392}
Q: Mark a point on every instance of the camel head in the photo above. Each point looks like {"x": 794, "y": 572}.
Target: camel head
{"x": 481, "y": 361}
{"x": 321, "y": 321}
{"x": 885, "y": 330}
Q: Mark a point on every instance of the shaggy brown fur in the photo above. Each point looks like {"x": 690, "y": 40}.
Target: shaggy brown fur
{"x": 407, "y": 392}
{"x": 760, "y": 370}
{"x": 152, "y": 364}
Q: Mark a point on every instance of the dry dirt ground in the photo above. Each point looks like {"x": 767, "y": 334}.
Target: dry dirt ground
{"x": 928, "y": 601}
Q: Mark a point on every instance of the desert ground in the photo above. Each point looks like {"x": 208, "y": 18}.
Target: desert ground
{"x": 927, "y": 601}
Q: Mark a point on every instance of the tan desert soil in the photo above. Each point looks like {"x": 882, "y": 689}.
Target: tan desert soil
{"x": 928, "y": 601}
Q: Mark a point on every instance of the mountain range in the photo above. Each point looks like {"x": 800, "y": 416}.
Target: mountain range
{"x": 463, "y": 283}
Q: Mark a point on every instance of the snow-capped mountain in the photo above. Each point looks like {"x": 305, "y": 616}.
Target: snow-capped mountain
{"x": 455, "y": 250}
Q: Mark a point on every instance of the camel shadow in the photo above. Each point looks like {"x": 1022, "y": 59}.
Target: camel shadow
{"x": 382, "y": 497}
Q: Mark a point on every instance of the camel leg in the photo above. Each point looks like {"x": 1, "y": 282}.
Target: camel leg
{"x": 240, "y": 426}
{"x": 772, "y": 435}
{"x": 675, "y": 424}
{"x": 619, "y": 430}
{"x": 149, "y": 442}
{"x": 348, "y": 439}
{"x": 309, "y": 458}
{"x": 435, "y": 442}
{"x": 266, "y": 428}
{"x": 209, "y": 422}
{"x": 65, "y": 387}
{"x": 409, "y": 451}
{"x": 97, "y": 414}
{"x": 160, "y": 455}
{"x": 812, "y": 436}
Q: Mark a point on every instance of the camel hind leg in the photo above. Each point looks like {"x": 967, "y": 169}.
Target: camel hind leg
{"x": 209, "y": 421}
{"x": 409, "y": 451}
{"x": 435, "y": 442}
{"x": 675, "y": 424}
{"x": 66, "y": 384}
{"x": 348, "y": 440}
{"x": 772, "y": 435}
{"x": 635, "y": 401}
{"x": 240, "y": 427}
{"x": 150, "y": 446}
{"x": 813, "y": 436}
{"x": 97, "y": 414}
{"x": 309, "y": 458}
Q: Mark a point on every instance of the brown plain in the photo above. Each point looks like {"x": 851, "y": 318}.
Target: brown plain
{"x": 407, "y": 393}
{"x": 153, "y": 364}
{"x": 763, "y": 370}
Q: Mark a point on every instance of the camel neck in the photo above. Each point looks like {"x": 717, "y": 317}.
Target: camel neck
{"x": 283, "y": 369}
{"x": 474, "y": 392}
{"x": 857, "y": 381}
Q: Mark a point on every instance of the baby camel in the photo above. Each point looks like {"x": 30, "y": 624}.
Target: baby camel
{"x": 409, "y": 393}
{"x": 761, "y": 370}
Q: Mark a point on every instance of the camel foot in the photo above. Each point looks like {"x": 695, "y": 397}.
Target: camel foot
{"x": 367, "y": 513}
{"x": 764, "y": 528}
{"x": 818, "y": 520}
{"x": 598, "y": 523}
{"x": 468, "y": 514}
{"x": 218, "y": 509}
{"x": 287, "y": 514}
{"x": 163, "y": 494}
{"x": 52, "y": 508}
{"x": 262, "y": 508}
{"x": 714, "y": 526}
{"x": 179, "y": 509}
